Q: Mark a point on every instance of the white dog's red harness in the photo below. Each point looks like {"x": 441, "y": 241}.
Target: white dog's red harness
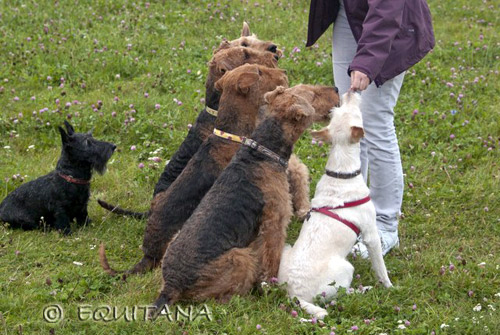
{"x": 327, "y": 211}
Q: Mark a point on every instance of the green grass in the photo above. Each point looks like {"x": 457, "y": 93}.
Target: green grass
{"x": 451, "y": 208}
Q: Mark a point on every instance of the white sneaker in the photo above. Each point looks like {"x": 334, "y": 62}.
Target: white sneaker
{"x": 388, "y": 240}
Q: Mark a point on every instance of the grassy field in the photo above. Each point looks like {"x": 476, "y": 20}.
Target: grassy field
{"x": 147, "y": 64}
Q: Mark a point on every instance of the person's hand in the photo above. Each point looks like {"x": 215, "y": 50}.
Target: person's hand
{"x": 359, "y": 81}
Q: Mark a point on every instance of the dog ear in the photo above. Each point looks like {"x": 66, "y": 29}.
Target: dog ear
{"x": 246, "y": 80}
{"x": 357, "y": 134}
{"x": 223, "y": 45}
{"x": 218, "y": 84}
{"x": 246, "y": 30}
{"x": 270, "y": 96}
{"x": 322, "y": 135}
{"x": 223, "y": 67}
{"x": 64, "y": 136}
{"x": 301, "y": 110}
{"x": 69, "y": 128}
{"x": 356, "y": 124}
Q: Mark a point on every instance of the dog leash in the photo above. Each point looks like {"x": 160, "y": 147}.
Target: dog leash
{"x": 252, "y": 144}
{"x": 327, "y": 211}
{"x": 211, "y": 111}
{"x": 72, "y": 180}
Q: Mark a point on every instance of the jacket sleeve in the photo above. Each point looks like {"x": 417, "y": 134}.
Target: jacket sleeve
{"x": 380, "y": 26}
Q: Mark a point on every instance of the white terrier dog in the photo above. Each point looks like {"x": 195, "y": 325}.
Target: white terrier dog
{"x": 341, "y": 209}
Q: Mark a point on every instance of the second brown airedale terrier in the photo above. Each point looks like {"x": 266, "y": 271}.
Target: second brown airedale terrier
{"x": 243, "y": 92}
{"x": 236, "y": 235}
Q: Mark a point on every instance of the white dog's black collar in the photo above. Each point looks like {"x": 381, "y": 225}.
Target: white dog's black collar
{"x": 343, "y": 175}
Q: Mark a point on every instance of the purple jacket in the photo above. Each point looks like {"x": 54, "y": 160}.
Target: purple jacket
{"x": 392, "y": 35}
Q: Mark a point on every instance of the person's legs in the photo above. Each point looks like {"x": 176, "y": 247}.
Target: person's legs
{"x": 380, "y": 157}
{"x": 381, "y": 150}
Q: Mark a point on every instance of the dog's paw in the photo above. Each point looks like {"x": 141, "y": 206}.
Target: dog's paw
{"x": 320, "y": 315}
{"x": 302, "y": 214}
{"x": 66, "y": 231}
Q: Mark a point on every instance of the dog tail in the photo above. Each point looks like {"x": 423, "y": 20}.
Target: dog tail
{"x": 104, "y": 261}
{"x": 121, "y": 211}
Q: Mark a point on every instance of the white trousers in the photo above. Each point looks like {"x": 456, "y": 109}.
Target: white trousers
{"x": 380, "y": 157}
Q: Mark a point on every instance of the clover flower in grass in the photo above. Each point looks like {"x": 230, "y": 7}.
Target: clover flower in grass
{"x": 294, "y": 313}
{"x": 157, "y": 106}
{"x": 141, "y": 166}
{"x": 146, "y": 94}
{"x": 259, "y": 327}
{"x": 16, "y": 99}
{"x": 354, "y": 328}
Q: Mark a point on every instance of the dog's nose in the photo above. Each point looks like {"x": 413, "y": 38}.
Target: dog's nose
{"x": 113, "y": 147}
{"x": 336, "y": 89}
{"x": 276, "y": 57}
{"x": 272, "y": 48}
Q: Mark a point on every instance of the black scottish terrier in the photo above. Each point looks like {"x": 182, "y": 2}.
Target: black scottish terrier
{"x": 62, "y": 195}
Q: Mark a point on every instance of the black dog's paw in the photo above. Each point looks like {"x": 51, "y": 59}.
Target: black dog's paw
{"x": 66, "y": 231}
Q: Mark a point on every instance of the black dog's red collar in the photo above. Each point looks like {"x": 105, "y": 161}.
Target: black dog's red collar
{"x": 327, "y": 211}
{"x": 72, "y": 180}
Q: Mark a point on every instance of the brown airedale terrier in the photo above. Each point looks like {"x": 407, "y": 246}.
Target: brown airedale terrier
{"x": 236, "y": 235}
{"x": 242, "y": 90}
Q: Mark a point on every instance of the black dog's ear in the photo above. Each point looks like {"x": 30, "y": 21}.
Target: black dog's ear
{"x": 64, "y": 136}
{"x": 69, "y": 128}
